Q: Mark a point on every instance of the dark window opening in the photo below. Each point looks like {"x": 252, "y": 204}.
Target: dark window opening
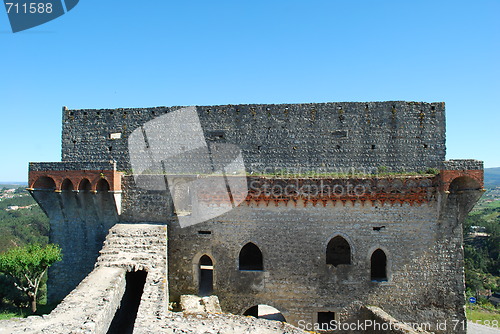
{"x": 378, "y": 228}
{"x": 110, "y": 148}
{"x": 373, "y": 147}
{"x": 250, "y": 258}
{"x": 206, "y": 276}
{"x": 85, "y": 185}
{"x": 102, "y": 185}
{"x": 340, "y": 133}
{"x": 45, "y": 182}
{"x": 379, "y": 266}
{"x": 124, "y": 319}
{"x": 338, "y": 251}
{"x": 216, "y": 135}
{"x": 67, "y": 185}
{"x": 425, "y": 146}
{"x": 204, "y": 232}
{"x": 326, "y": 321}
{"x": 265, "y": 312}
{"x": 433, "y": 108}
{"x": 337, "y": 147}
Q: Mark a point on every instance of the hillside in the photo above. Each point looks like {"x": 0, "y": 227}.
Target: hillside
{"x": 21, "y": 219}
{"x": 492, "y": 177}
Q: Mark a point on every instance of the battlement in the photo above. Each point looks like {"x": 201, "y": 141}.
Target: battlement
{"x": 396, "y": 134}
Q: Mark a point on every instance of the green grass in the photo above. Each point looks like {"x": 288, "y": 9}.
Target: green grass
{"x": 12, "y": 312}
{"x": 488, "y": 205}
{"x": 7, "y": 315}
{"x": 483, "y": 316}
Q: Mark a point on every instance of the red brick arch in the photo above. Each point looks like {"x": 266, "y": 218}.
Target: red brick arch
{"x": 465, "y": 179}
{"x": 63, "y": 180}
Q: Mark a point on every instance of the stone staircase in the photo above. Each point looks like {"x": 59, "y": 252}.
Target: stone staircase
{"x": 135, "y": 247}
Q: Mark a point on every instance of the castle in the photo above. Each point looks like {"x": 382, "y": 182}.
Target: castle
{"x": 344, "y": 205}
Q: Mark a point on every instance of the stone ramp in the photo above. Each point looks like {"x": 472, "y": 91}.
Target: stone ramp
{"x": 136, "y": 247}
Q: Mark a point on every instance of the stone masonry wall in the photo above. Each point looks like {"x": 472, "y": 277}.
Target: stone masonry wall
{"x": 79, "y": 223}
{"x": 396, "y": 134}
{"x": 417, "y": 223}
{"x": 422, "y": 241}
{"x": 296, "y": 279}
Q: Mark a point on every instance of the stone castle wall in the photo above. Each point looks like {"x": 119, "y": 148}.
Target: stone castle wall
{"x": 420, "y": 234}
{"x": 415, "y": 220}
{"x": 399, "y": 135}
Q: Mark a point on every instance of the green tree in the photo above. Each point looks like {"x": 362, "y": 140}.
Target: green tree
{"x": 27, "y": 265}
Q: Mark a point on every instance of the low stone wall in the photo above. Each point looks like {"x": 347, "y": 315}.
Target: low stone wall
{"x": 87, "y": 309}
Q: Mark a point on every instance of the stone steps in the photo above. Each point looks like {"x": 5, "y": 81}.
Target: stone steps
{"x": 133, "y": 245}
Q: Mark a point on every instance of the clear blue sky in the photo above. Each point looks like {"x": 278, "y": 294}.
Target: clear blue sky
{"x": 110, "y": 54}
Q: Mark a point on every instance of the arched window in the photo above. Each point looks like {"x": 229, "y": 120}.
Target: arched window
{"x": 206, "y": 276}
{"x": 85, "y": 185}
{"x": 67, "y": 185}
{"x": 378, "y": 266}
{"x": 102, "y": 185}
{"x": 338, "y": 251}
{"x": 250, "y": 258}
{"x": 45, "y": 182}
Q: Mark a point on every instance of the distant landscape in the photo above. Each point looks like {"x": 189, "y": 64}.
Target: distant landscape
{"x": 492, "y": 177}
{"x": 22, "y": 222}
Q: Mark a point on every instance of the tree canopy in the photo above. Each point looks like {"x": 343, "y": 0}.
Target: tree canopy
{"x": 27, "y": 266}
